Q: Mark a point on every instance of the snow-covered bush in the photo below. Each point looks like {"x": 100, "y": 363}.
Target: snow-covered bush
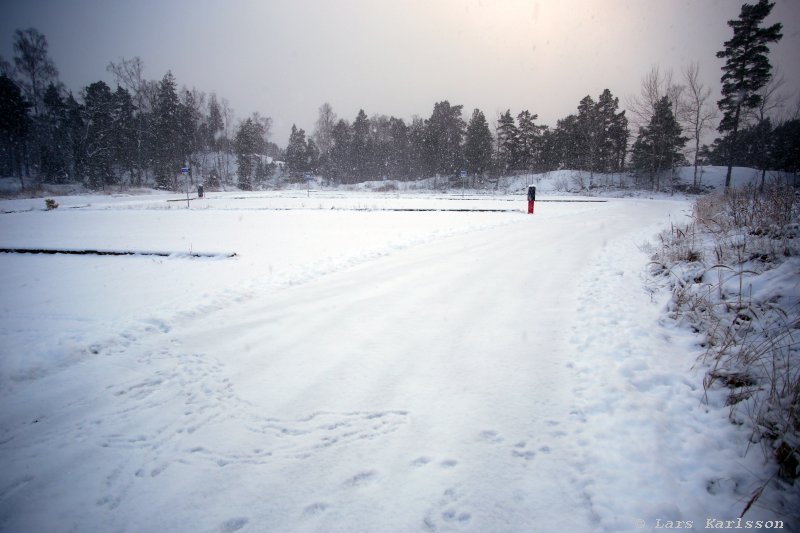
{"x": 735, "y": 276}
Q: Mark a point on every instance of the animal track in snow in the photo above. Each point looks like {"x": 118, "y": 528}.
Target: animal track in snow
{"x": 490, "y": 435}
{"x": 315, "y": 508}
{"x": 447, "y": 512}
{"x": 361, "y": 478}
{"x": 421, "y": 461}
{"x": 232, "y": 524}
{"x": 520, "y": 451}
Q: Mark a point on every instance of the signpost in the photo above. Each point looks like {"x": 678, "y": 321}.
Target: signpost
{"x": 185, "y": 173}
{"x": 308, "y": 177}
{"x": 531, "y": 199}
{"x": 463, "y": 175}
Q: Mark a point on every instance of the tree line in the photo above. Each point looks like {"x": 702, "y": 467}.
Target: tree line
{"x": 143, "y": 131}
{"x": 445, "y": 144}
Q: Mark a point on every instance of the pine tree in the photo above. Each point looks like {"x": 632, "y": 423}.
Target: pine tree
{"x": 617, "y": 142}
{"x": 590, "y": 136}
{"x": 478, "y": 144}
{"x": 168, "y": 157}
{"x": 746, "y": 69}
{"x": 75, "y": 131}
{"x": 379, "y": 142}
{"x": 528, "y": 140}
{"x": 296, "y": 153}
{"x": 14, "y": 128}
{"x": 311, "y": 156}
{"x": 246, "y": 146}
{"x": 99, "y": 139}
{"x": 340, "y": 164}
{"x": 55, "y": 154}
{"x": 124, "y": 131}
{"x": 399, "y": 154}
{"x": 658, "y": 147}
{"x": 507, "y": 139}
{"x": 215, "y": 126}
{"x": 567, "y": 143}
{"x": 360, "y": 156}
{"x": 444, "y": 132}
{"x": 608, "y": 123}
{"x": 190, "y": 118}
{"x": 786, "y": 146}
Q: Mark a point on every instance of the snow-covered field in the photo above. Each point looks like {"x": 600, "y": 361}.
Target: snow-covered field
{"x": 352, "y": 368}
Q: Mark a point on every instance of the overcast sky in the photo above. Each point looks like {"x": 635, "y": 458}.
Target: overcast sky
{"x": 284, "y": 58}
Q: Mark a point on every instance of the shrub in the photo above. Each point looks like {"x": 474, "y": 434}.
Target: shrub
{"x": 735, "y": 242}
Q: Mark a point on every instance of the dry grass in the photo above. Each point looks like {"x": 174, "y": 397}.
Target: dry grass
{"x": 752, "y": 344}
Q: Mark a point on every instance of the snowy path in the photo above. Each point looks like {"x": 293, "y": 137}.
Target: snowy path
{"x": 475, "y": 383}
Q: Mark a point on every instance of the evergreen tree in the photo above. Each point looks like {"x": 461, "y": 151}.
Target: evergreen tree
{"x": 528, "y": 141}
{"x": 215, "y": 125}
{"x": 444, "y": 133}
{"x": 167, "y": 150}
{"x": 658, "y": 147}
{"x": 124, "y": 130}
{"x": 247, "y": 144}
{"x": 399, "y": 156}
{"x": 507, "y": 140}
{"x": 786, "y": 146}
{"x": 190, "y": 118}
{"x": 380, "y": 146}
{"x": 98, "y": 143}
{"x": 55, "y": 154}
{"x": 76, "y": 135}
{"x": 617, "y": 143}
{"x": 360, "y": 156}
{"x": 567, "y": 146}
{"x": 548, "y": 154}
{"x": 612, "y": 131}
{"x": 418, "y": 161}
{"x": 340, "y": 164}
{"x": 14, "y": 128}
{"x": 311, "y": 156}
{"x": 478, "y": 144}
{"x": 590, "y": 136}
{"x": 129, "y": 74}
{"x": 746, "y": 69}
{"x": 296, "y": 153}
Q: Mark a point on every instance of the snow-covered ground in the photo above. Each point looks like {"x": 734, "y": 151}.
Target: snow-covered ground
{"x": 353, "y": 368}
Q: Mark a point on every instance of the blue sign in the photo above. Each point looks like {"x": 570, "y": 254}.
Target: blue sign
{"x": 307, "y": 176}
{"x": 184, "y": 170}
{"x": 463, "y": 174}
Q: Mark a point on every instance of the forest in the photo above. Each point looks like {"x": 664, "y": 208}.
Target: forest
{"x": 141, "y": 132}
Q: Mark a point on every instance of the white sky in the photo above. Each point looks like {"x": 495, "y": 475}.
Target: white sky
{"x": 284, "y": 58}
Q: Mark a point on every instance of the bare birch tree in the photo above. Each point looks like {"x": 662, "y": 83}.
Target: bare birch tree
{"x": 697, "y": 113}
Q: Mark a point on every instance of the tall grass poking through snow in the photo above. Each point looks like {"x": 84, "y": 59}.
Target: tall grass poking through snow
{"x": 734, "y": 270}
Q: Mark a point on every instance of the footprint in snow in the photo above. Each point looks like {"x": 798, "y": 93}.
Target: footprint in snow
{"x": 361, "y": 478}
{"x": 421, "y": 461}
{"x": 490, "y": 435}
{"x": 315, "y": 509}
{"x": 232, "y": 524}
{"x": 520, "y": 451}
{"x": 447, "y": 510}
